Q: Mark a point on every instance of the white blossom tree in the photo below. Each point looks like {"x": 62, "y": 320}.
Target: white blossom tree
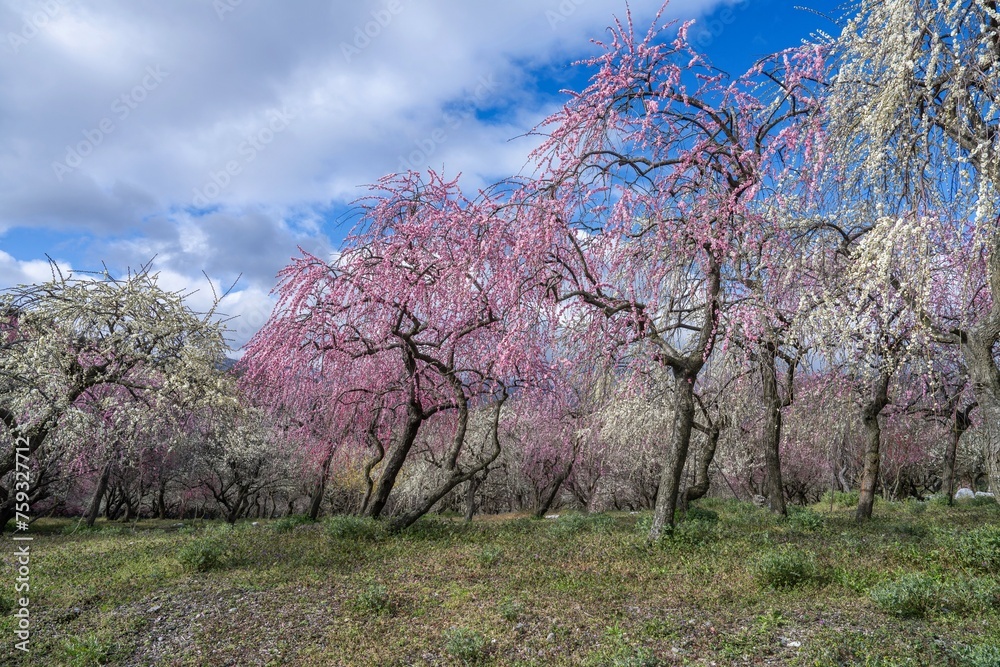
{"x": 914, "y": 116}
{"x": 80, "y": 347}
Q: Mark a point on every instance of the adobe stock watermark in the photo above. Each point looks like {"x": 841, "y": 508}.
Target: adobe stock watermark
{"x": 705, "y": 32}
{"x": 424, "y": 148}
{"x": 223, "y": 7}
{"x": 248, "y": 150}
{"x": 22, "y": 546}
{"x": 369, "y": 31}
{"x": 121, "y": 108}
{"x": 562, "y": 12}
{"x": 34, "y": 24}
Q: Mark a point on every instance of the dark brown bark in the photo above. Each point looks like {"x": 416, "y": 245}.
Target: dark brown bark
{"x": 685, "y": 371}
{"x": 129, "y": 509}
{"x": 319, "y": 489}
{"x": 701, "y": 476}
{"x": 416, "y": 414}
{"x": 877, "y": 401}
{"x": 977, "y": 350}
{"x": 470, "y": 493}
{"x": 376, "y": 445}
{"x": 395, "y": 461}
{"x": 236, "y": 510}
{"x": 959, "y": 426}
{"x": 676, "y": 455}
{"x": 437, "y": 494}
{"x": 457, "y": 476}
{"x": 316, "y": 500}
{"x": 773, "y": 404}
{"x": 161, "y": 500}
{"x": 552, "y": 491}
{"x": 842, "y": 479}
{"x": 95, "y": 501}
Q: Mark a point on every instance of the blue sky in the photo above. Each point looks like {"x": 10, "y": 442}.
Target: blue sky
{"x": 219, "y": 135}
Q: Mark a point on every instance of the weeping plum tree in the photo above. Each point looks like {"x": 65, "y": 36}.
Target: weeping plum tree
{"x": 243, "y": 456}
{"x": 74, "y": 343}
{"x": 427, "y": 308}
{"x": 321, "y": 423}
{"x": 867, "y": 338}
{"x": 915, "y": 116}
{"x": 766, "y": 329}
{"x": 950, "y": 404}
{"x": 560, "y": 422}
{"x": 650, "y": 185}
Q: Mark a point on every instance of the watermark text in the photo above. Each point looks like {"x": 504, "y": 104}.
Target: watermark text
{"x": 22, "y": 544}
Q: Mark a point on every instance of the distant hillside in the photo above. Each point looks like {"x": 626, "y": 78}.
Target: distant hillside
{"x": 227, "y": 364}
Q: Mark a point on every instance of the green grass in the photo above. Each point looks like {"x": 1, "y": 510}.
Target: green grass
{"x": 733, "y": 585}
{"x": 787, "y": 567}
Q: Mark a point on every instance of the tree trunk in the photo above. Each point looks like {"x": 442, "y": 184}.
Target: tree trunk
{"x": 676, "y": 456}
{"x": 977, "y": 349}
{"x": 394, "y": 463}
{"x": 111, "y": 502}
{"x": 430, "y": 500}
{"x": 986, "y": 384}
{"x": 236, "y": 510}
{"x": 161, "y": 500}
{"x": 316, "y": 502}
{"x": 842, "y": 479}
{"x": 772, "y": 433}
{"x": 456, "y": 476}
{"x": 873, "y": 436}
{"x": 95, "y": 501}
{"x": 958, "y": 427}
{"x": 320, "y": 489}
{"x": 129, "y": 510}
{"x": 701, "y": 477}
{"x": 470, "y": 494}
{"x": 550, "y": 493}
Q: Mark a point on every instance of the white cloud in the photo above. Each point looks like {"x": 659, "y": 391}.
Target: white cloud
{"x": 15, "y": 272}
{"x": 119, "y": 115}
{"x": 248, "y": 310}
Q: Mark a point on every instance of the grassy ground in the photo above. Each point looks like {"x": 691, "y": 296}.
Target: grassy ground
{"x": 920, "y": 585}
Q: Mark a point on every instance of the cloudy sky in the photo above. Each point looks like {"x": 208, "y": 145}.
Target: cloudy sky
{"x": 219, "y": 135}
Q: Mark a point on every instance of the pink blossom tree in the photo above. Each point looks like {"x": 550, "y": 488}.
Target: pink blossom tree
{"x": 651, "y": 182}
{"x": 427, "y": 309}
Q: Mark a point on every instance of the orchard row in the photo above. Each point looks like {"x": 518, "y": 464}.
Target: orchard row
{"x": 768, "y": 284}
